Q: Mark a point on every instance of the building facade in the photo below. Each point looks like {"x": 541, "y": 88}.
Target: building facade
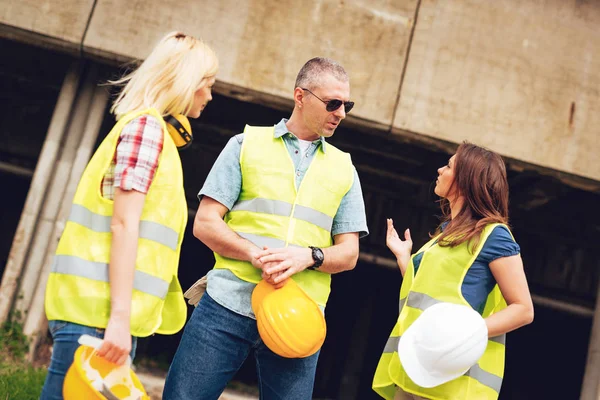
{"x": 518, "y": 77}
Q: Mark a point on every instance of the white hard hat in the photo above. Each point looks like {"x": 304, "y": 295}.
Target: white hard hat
{"x": 442, "y": 344}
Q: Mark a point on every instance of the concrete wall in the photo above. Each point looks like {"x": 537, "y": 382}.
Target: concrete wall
{"x": 520, "y": 77}
{"x": 263, "y": 43}
{"x": 46, "y": 21}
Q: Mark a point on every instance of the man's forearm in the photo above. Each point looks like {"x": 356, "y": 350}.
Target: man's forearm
{"x": 339, "y": 258}
{"x": 218, "y": 237}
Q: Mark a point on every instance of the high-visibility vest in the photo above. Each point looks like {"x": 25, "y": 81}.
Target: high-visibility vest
{"x": 439, "y": 279}
{"x": 78, "y": 286}
{"x": 271, "y": 212}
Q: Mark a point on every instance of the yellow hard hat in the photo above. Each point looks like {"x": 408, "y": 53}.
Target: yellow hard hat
{"x": 92, "y": 377}
{"x": 289, "y": 322}
{"x": 260, "y": 292}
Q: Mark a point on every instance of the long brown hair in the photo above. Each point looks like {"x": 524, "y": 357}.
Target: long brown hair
{"x": 480, "y": 178}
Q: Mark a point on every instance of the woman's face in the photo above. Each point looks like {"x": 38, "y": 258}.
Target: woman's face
{"x": 201, "y": 98}
{"x": 445, "y": 179}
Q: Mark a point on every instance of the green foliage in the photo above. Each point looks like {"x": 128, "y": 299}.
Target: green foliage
{"x": 18, "y": 380}
{"x": 12, "y": 339}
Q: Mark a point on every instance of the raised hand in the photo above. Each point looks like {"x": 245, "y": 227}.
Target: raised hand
{"x": 401, "y": 248}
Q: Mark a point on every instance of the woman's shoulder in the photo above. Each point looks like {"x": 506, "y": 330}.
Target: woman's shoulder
{"x": 146, "y": 118}
{"x": 145, "y": 124}
{"x": 500, "y": 243}
{"x": 502, "y": 230}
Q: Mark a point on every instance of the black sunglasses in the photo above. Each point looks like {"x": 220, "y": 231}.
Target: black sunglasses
{"x": 334, "y": 104}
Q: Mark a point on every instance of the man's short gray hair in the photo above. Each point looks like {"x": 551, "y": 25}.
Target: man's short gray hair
{"x": 310, "y": 74}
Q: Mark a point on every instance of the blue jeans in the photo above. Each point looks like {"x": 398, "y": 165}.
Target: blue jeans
{"x": 65, "y": 335}
{"x": 215, "y": 344}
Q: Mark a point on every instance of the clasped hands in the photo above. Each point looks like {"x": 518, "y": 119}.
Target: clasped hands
{"x": 279, "y": 264}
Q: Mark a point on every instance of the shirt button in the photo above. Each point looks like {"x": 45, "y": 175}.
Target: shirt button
{"x": 306, "y": 155}
{"x": 297, "y": 173}
{"x": 296, "y": 151}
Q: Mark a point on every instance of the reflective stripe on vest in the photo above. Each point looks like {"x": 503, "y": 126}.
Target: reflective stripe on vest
{"x": 392, "y": 344}
{"x": 484, "y": 377}
{"x": 101, "y": 223}
{"x": 262, "y": 241}
{"x": 284, "y": 209}
{"x": 75, "y": 266}
{"x": 420, "y": 301}
{"x": 401, "y": 305}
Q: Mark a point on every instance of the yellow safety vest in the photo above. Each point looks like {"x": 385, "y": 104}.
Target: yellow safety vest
{"x": 271, "y": 212}
{"x": 439, "y": 279}
{"x": 78, "y": 286}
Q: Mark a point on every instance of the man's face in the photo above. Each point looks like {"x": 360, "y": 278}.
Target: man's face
{"x": 316, "y": 117}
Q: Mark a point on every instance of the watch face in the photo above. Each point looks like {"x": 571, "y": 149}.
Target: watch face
{"x": 319, "y": 254}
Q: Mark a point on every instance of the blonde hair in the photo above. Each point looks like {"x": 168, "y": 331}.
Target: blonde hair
{"x": 167, "y": 80}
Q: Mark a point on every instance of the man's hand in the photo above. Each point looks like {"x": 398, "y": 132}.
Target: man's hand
{"x": 271, "y": 279}
{"x": 254, "y": 258}
{"x": 257, "y": 263}
{"x": 285, "y": 262}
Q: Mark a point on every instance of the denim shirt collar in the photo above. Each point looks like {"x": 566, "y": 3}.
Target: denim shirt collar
{"x": 281, "y": 129}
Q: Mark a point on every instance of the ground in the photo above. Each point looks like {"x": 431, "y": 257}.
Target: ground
{"x": 20, "y": 380}
{"x": 153, "y": 380}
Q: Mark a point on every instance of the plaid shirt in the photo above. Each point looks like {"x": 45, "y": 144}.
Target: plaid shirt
{"x": 136, "y": 158}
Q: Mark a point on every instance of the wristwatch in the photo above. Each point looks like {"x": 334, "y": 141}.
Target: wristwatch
{"x": 318, "y": 257}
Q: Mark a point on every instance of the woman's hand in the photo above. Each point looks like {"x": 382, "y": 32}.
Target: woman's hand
{"x": 401, "y": 248}
{"x": 117, "y": 340}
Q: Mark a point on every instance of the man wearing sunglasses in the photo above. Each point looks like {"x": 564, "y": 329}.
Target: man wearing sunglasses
{"x": 279, "y": 203}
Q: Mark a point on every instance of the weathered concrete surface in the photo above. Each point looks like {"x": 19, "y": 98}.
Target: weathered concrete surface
{"x": 520, "y": 77}
{"x": 64, "y": 20}
{"x": 263, "y": 43}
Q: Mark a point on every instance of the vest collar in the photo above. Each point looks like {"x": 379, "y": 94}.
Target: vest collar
{"x": 281, "y": 129}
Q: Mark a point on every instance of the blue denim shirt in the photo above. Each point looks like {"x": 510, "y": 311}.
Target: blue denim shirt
{"x": 224, "y": 183}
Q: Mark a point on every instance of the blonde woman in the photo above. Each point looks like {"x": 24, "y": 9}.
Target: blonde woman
{"x": 114, "y": 275}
